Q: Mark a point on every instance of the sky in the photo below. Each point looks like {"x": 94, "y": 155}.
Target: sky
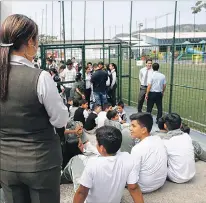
{"x": 117, "y": 16}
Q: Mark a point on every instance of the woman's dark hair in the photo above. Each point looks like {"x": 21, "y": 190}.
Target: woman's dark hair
{"x": 15, "y": 32}
{"x": 62, "y": 67}
{"x": 115, "y": 67}
{"x": 111, "y": 114}
{"x": 75, "y": 103}
{"x": 110, "y": 138}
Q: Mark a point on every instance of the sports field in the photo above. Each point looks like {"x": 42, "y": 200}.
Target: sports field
{"x": 189, "y": 89}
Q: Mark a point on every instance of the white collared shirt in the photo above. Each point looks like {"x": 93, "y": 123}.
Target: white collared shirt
{"x": 47, "y": 94}
{"x": 69, "y": 75}
{"x": 88, "y": 80}
{"x": 142, "y": 75}
{"x": 157, "y": 82}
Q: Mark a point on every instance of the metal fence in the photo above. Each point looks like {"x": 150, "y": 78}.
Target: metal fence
{"x": 183, "y": 65}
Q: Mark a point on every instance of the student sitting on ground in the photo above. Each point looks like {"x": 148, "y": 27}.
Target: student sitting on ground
{"x": 149, "y": 154}
{"x": 200, "y": 154}
{"x": 72, "y": 109}
{"x": 104, "y": 177}
{"x": 181, "y": 161}
{"x": 73, "y": 132}
{"x": 91, "y": 121}
{"x": 102, "y": 116}
{"x": 82, "y": 113}
{"x": 121, "y": 112}
{"x": 113, "y": 119}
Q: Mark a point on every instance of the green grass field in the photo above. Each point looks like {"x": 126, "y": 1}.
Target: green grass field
{"x": 189, "y": 90}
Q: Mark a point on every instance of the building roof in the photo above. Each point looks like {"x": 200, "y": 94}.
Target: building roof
{"x": 169, "y": 35}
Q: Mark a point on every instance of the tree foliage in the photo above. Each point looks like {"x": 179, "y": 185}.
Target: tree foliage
{"x": 198, "y": 7}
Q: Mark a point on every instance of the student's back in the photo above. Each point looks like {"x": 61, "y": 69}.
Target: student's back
{"x": 151, "y": 157}
{"x": 181, "y": 162}
{"x": 79, "y": 115}
{"x": 108, "y": 177}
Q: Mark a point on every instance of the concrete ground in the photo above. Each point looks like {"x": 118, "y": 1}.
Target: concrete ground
{"x": 191, "y": 192}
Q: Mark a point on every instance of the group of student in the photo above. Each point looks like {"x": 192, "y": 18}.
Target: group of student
{"x": 98, "y": 86}
{"x": 128, "y": 156}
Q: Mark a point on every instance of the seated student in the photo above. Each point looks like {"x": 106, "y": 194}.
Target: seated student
{"x": 69, "y": 103}
{"x": 72, "y": 109}
{"x": 121, "y": 112}
{"x": 73, "y": 132}
{"x": 75, "y": 167}
{"x": 181, "y": 162}
{"x": 104, "y": 177}
{"x": 127, "y": 141}
{"x": 91, "y": 121}
{"x": 162, "y": 133}
{"x": 113, "y": 119}
{"x": 149, "y": 154}
{"x": 102, "y": 116}
{"x": 81, "y": 114}
{"x": 200, "y": 154}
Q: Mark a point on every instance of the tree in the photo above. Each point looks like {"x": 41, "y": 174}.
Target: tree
{"x": 46, "y": 39}
{"x": 198, "y": 7}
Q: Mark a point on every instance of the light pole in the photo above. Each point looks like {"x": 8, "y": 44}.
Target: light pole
{"x": 140, "y": 25}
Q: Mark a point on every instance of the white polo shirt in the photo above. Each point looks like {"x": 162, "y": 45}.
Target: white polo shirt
{"x": 142, "y": 75}
{"x": 151, "y": 159}
{"x": 102, "y": 116}
{"x": 157, "y": 82}
{"x": 107, "y": 176}
{"x": 69, "y": 75}
{"x": 181, "y": 161}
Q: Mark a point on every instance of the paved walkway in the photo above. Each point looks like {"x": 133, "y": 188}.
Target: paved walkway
{"x": 191, "y": 192}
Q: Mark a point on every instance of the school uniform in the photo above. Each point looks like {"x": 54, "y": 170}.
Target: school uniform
{"x": 144, "y": 76}
{"x": 29, "y": 169}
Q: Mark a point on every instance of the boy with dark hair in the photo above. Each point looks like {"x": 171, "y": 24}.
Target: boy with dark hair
{"x": 81, "y": 114}
{"x": 180, "y": 150}
{"x": 113, "y": 119}
{"x": 104, "y": 177}
{"x": 91, "y": 121}
{"x": 121, "y": 112}
{"x": 149, "y": 154}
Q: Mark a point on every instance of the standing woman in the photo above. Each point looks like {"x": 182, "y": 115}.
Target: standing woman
{"x": 113, "y": 83}
{"x": 88, "y": 84}
{"x": 30, "y": 109}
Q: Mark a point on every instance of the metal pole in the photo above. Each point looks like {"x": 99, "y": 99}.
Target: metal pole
{"x": 63, "y": 30}
{"x": 71, "y": 27}
{"x": 60, "y": 31}
{"x": 52, "y": 20}
{"x": 42, "y": 22}
{"x": 179, "y": 27}
{"x": 172, "y": 62}
{"x": 130, "y": 53}
{"x": 46, "y": 23}
{"x": 85, "y": 10}
{"x": 94, "y": 34}
{"x": 194, "y": 25}
{"x": 155, "y": 38}
{"x": 139, "y": 42}
{"x": 103, "y": 27}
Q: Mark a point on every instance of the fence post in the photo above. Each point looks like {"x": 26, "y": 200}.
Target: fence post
{"x": 109, "y": 53}
{"x": 63, "y": 29}
{"x": 172, "y": 61}
{"x": 119, "y": 77}
{"x": 42, "y": 56}
{"x": 120, "y": 68}
{"x": 130, "y": 53}
{"x": 103, "y": 28}
{"x": 83, "y": 60}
